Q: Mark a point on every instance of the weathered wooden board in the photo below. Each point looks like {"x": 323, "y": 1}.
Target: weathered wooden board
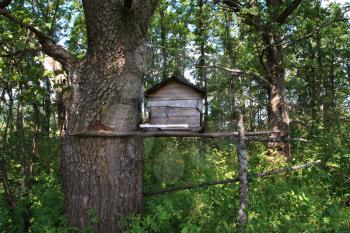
{"x": 178, "y": 96}
{"x": 176, "y": 103}
{"x": 190, "y": 120}
{"x": 145, "y": 126}
{"x": 170, "y": 111}
{"x": 175, "y": 90}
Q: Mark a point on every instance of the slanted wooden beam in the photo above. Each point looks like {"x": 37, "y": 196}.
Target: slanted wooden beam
{"x": 249, "y": 136}
{"x": 230, "y": 181}
{"x": 172, "y": 133}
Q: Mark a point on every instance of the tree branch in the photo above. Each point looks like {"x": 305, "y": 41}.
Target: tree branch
{"x": 316, "y": 30}
{"x": 49, "y": 47}
{"x": 287, "y": 12}
{"x": 229, "y": 181}
{"x": 287, "y": 43}
{"x": 237, "y": 72}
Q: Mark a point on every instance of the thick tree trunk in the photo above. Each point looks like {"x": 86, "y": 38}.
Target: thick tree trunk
{"x": 278, "y": 118}
{"x": 104, "y": 175}
{"x": 278, "y": 109}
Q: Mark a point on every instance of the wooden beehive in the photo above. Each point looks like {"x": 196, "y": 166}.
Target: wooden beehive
{"x": 175, "y": 103}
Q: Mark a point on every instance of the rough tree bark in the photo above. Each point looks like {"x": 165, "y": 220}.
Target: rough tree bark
{"x": 104, "y": 89}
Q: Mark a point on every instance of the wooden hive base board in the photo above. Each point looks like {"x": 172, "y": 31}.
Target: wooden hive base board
{"x": 168, "y": 127}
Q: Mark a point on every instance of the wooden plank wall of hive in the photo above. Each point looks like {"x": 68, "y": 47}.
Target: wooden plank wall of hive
{"x": 171, "y": 111}
{"x": 192, "y": 121}
{"x": 189, "y": 103}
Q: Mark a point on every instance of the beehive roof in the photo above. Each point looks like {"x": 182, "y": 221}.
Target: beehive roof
{"x": 174, "y": 78}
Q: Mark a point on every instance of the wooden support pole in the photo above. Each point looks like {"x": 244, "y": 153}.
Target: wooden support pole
{"x": 243, "y": 176}
{"x": 230, "y": 181}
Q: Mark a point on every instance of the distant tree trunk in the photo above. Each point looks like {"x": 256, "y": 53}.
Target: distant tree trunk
{"x": 20, "y": 133}
{"x": 9, "y": 197}
{"x": 201, "y": 41}
{"x": 104, "y": 175}
{"x": 332, "y": 77}
{"x": 312, "y": 87}
{"x": 24, "y": 190}
{"x": 47, "y": 106}
{"x": 34, "y": 154}
{"x": 163, "y": 39}
{"x": 228, "y": 45}
{"x": 204, "y": 81}
{"x": 320, "y": 70}
{"x": 202, "y": 75}
{"x": 227, "y": 38}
